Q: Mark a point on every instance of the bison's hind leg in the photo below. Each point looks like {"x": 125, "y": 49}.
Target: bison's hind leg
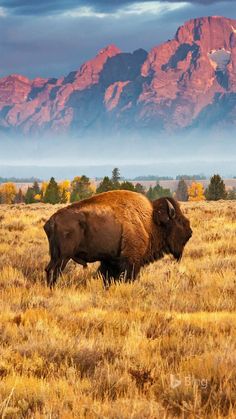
{"x": 49, "y": 273}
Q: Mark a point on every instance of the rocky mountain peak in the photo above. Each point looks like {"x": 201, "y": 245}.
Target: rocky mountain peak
{"x": 186, "y": 82}
{"x": 211, "y": 32}
{"x": 110, "y": 51}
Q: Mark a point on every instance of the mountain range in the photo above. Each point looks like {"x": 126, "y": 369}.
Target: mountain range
{"x": 187, "y": 82}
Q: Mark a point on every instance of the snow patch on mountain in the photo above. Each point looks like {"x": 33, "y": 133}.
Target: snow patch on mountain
{"x": 220, "y": 59}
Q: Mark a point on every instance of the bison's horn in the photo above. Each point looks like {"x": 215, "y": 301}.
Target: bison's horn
{"x": 171, "y": 209}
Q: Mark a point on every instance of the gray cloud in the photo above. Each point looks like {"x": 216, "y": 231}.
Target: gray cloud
{"x": 52, "y": 46}
{"x": 49, "y": 7}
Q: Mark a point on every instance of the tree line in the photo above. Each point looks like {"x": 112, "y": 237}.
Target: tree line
{"x": 215, "y": 191}
{"x": 81, "y": 187}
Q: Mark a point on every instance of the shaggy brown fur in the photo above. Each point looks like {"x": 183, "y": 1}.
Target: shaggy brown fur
{"x": 121, "y": 229}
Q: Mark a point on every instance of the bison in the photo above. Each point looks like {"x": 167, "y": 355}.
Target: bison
{"x": 121, "y": 229}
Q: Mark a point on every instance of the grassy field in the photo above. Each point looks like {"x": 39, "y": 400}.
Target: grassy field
{"x": 162, "y": 347}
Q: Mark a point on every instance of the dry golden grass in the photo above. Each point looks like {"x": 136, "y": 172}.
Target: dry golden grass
{"x": 81, "y": 351}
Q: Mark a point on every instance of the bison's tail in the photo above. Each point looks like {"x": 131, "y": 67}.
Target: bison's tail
{"x": 50, "y": 230}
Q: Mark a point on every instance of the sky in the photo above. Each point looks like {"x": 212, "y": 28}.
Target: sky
{"x": 50, "y": 38}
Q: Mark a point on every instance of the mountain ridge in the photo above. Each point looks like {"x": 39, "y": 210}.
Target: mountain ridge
{"x": 186, "y": 82}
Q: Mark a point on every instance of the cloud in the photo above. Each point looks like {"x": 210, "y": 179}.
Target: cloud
{"x": 2, "y": 12}
{"x": 97, "y": 8}
{"x": 42, "y": 7}
{"x": 149, "y": 7}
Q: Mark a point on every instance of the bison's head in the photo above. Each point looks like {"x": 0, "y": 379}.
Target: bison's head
{"x": 174, "y": 225}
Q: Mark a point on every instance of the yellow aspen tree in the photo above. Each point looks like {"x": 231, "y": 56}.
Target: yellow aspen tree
{"x": 196, "y": 192}
{"x": 8, "y": 192}
{"x": 64, "y": 188}
{"x": 43, "y": 188}
{"x": 37, "y": 197}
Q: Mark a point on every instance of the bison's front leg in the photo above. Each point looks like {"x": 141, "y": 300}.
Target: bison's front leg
{"x": 54, "y": 269}
{"x": 121, "y": 270}
{"x": 106, "y": 270}
{"x": 110, "y": 270}
{"x": 129, "y": 270}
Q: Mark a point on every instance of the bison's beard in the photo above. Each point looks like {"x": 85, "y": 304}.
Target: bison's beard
{"x": 176, "y": 247}
{"x": 178, "y": 256}
{"x": 175, "y": 252}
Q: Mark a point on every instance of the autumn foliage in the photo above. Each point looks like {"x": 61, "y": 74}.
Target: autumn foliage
{"x": 196, "y": 192}
{"x": 7, "y": 193}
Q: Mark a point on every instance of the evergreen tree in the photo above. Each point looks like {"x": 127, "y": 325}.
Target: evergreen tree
{"x": 105, "y": 186}
{"x": 182, "y": 191}
{"x": 139, "y": 188}
{"x": 162, "y": 192}
{"x": 151, "y": 194}
{"x": 19, "y": 198}
{"x": 116, "y": 177}
{"x": 36, "y": 188}
{"x": 29, "y": 196}
{"x": 158, "y": 192}
{"x": 216, "y": 189}
{"x": 52, "y": 193}
{"x": 32, "y": 192}
{"x": 128, "y": 186}
{"x": 231, "y": 194}
{"x": 81, "y": 188}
